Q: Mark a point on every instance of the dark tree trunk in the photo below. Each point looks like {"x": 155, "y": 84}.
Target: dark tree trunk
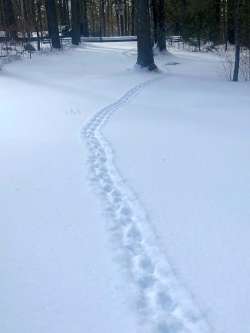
{"x": 237, "y": 39}
{"x": 118, "y": 24}
{"x": 75, "y": 21}
{"x": 133, "y": 19}
{"x": 53, "y": 23}
{"x": 109, "y": 18}
{"x": 231, "y": 21}
{"x": 158, "y": 13}
{"x": 154, "y": 16}
{"x": 102, "y": 19}
{"x": 144, "y": 44}
{"x": 38, "y": 23}
{"x": 64, "y": 12}
{"x": 161, "y": 31}
{"x": 9, "y": 19}
{"x": 183, "y": 17}
{"x": 126, "y": 17}
{"x": 122, "y": 25}
{"x": 224, "y": 23}
{"x": 84, "y": 20}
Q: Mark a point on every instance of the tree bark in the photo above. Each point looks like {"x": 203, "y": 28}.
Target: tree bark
{"x": 53, "y": 23}
{"x": 158, "y": 13}
{"x": 144, "y": 44}
{"x": 236, "y": 39}
{"x": 84, "y": 19}
{"x": 9, "y": 20}
{"x": 102, "y": 19}
{"x": 75, "y": 22}
{"x": 133, "y": 18}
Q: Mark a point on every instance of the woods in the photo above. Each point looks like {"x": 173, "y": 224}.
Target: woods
{"x": 124, "y": 166}
{"x": 199, "y": 23}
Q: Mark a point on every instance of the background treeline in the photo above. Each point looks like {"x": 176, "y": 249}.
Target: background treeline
{"x": 96, "y": 18}
{"x": 197, "y": 22}
{"x": 210, "y": 20}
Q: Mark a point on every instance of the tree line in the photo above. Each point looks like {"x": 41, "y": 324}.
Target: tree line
{"x": 217, "y": 22}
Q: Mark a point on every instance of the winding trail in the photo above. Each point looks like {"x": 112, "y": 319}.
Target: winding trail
{"x": 163, "y": 303}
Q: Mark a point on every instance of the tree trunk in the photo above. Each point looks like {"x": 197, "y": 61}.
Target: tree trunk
{"x": 118, "y": 24}
{"x": 133, "y": 19}
{"x": 9, "y": 19}
{"x": 122, "y": 25}
{"x": 224, "y": 23}
{"x": 102, "y": 19}
{"x": 84, "y": 20}
{"x": 236, "y": 39}
{"x": 75, "y": 21}
{"x": 231, "y": 20}
{"x": 126, "y": 17}
{"x": 64, "y": 12}
{"x": 53, "y": 23}
{"x": 154, "y": 19}
{"x": 144, "y": 44}
{"x": 161, "y": 30}
{"x": 183, "y": 18}
{"x": 159, "y": 24}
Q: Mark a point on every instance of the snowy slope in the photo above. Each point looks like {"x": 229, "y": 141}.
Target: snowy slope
{"x": 124, "y": 195}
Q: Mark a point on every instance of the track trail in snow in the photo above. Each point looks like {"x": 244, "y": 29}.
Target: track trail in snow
{"x": 162, "y": 301}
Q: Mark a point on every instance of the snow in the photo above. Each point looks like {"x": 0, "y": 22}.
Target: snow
{"x": 187, "y": 158}
{"x": 57, "y": 271}
{"x": 124, "y": 194}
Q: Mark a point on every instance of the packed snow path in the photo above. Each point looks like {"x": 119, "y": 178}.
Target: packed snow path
{"x": 161, "y": 299}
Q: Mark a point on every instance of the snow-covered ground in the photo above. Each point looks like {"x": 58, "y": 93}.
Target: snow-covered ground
{"x": 124, "y": 195}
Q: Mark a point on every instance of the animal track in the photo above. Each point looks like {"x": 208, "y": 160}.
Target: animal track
{"x": 164, "y": 303}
